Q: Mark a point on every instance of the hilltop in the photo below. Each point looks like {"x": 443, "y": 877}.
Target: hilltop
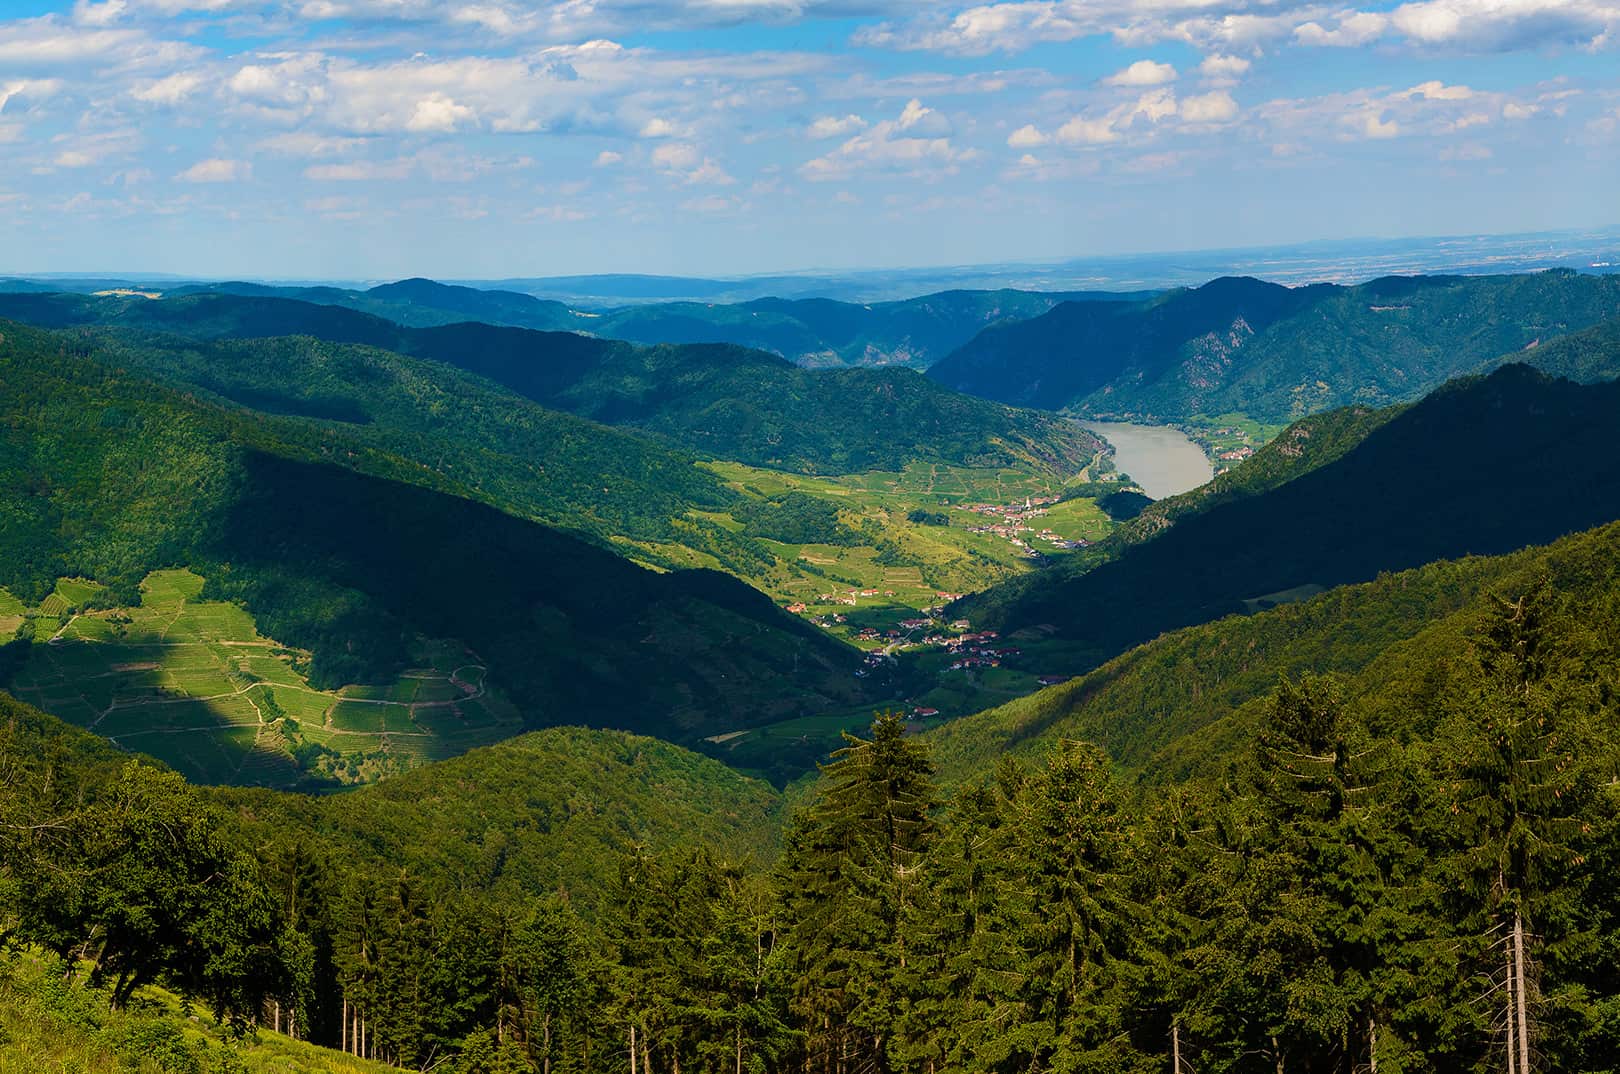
{"x": 727, "y": 402}
{"x": 1241, "y": 345}
{"x": 913, "y": 332}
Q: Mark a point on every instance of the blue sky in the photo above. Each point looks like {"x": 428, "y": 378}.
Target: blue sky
{"x": 373, "y": 139}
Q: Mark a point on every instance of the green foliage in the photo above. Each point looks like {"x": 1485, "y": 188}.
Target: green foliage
{"x": 1587, "y": 356}
{"x": 795, "y": 518}
{"x": 1340, "y": 514}
{"x": 720, "y": 401}
{"x": 1276, "y": 354}
{"x": 328, "y": 539}
{"x": 848, "y": 879}
{"x": 1329, "y": 896}
{"x": 545, "y": 811}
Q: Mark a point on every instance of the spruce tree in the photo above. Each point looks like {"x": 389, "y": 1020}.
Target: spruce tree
{"x": 850, "y": 872}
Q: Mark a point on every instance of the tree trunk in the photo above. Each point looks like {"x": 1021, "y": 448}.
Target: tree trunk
{"x": 1276, "y": 1053}
{"x": 1520, "y": 992}
{"x": 632, "y": 1048}
{"x": 343, "y": 1027}
{"x": 545, "y": 1033}
{"x": 739, "y": 1048}
{"x": 1175, "y": 1048}
{"x": 1512, "y": 1018}
{"x": 1372, "y": 1044}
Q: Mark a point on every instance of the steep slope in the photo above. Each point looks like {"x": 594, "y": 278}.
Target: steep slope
{"x": 335, "y": 549}
{"x": 727, "y": 402}
{"x": 471, "y": 438}
{"x": 1237, "y": 345}
{"x": 1185, "y": 702}
{"x": 1483, "y": 466}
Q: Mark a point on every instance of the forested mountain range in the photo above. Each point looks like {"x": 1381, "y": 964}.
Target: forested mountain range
{"x": 1371, "y": 821}
{"x": 818, "y": 332}
{"x": 723, "y": 401}
{"x": 350, "y": 548}
{"x": 1272, "y": 352}
{"x": 1482, "y": 466}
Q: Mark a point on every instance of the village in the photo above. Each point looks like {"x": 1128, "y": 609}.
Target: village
{"x": 1013, "y": 521}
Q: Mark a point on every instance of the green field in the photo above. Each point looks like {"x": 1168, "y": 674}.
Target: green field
{"x": 899, "y": 566}
{"x": 1225, "y": 434}
{"x": 193, "y": 683}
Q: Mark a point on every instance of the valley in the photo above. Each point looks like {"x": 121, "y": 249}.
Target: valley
{"x": 759, "y": 537}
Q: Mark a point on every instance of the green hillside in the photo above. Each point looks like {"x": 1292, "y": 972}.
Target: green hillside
{"x": 1185, "y": 701}
{"x": 726, "y": 402}
{"x": 1330, "y": 890}
{"x": 1588, "y": 356}
{"x": 468, "y": 437}
{"x": 816, "y": 332}
{"x": 548, "y": 811}
{"x": 1273, "y": 353}
{"x": 820, "y": 333}
{"x": 1482, "y": 466}
{"x": 332, "y": 550}
{"x": 416, "y": 302}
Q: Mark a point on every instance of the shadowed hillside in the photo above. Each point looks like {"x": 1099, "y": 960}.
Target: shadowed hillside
{"x": 725, "y": 401}
{"x": 1273, "y": 353}
{"x": 1482, "y": 466}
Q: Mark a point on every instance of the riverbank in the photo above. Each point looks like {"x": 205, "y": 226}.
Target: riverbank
{"x": 1163, "y": 460}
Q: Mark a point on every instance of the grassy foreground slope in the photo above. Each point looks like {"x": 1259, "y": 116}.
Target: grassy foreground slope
{"x": 1482, "y": 466}
{"x": 334, "y": 550}
{"x": 723, "y": 401}
{"x": 47, "y": 1024}
{"x": 1273, "y": 353}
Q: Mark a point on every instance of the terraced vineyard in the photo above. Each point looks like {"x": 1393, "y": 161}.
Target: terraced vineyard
{"x": 897, "y": 562}
{"x": 192, "y": 682}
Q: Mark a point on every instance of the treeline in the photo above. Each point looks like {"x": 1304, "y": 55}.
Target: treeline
{"x": 1423, "y": 883}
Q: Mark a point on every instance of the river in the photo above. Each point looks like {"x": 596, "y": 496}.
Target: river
{"x": 1161, "y": 459}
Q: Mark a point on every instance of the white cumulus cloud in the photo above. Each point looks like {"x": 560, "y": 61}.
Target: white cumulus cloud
{"x": 1143, "y": 73}
{"x": 834, "y": 126}
{"x": 216, "y": 170}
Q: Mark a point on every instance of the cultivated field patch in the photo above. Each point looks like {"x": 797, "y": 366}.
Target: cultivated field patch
{"x": 193, "y": 683}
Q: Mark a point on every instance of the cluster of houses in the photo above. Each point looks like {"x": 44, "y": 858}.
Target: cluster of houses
{"x": 978, "y": 650}
{"x": 1237, "y": 454}
{"x": 1013, "y": 523}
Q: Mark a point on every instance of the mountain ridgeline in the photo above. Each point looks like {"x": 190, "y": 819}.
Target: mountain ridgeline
{"x": 723, "y": 401}
{"x": 1332, "y": 788}
{"x": 818, "y": 332}
{"x": 1276, "y": 353}
{"x": 342, "y": 547}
